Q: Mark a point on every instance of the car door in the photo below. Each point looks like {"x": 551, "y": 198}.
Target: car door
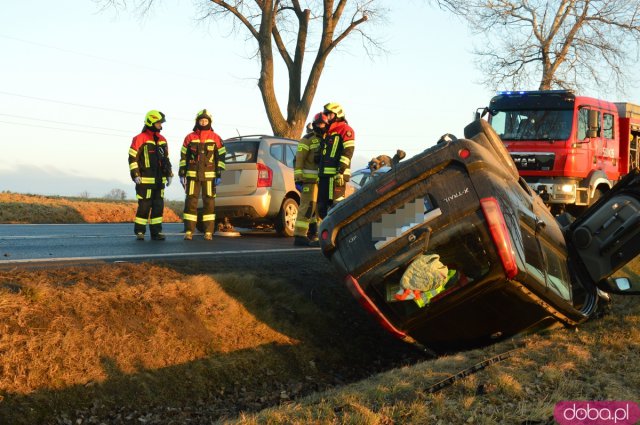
{"x": 607, "y": 235}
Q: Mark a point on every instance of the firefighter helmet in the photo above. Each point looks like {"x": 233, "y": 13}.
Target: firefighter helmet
{"x": 153, "y": 117}
{"x": 320, "y": 118}
{"x": 204, "y": 114}
{"x": 335, "y": 108}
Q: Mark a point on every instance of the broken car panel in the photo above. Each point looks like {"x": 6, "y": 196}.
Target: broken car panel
{"x": 452, "y": 249}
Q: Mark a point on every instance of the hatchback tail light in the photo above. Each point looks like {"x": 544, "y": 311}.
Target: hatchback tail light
{"x": 265, "y": 175}
{"x": 500, "y": 235}
{"x": 369, "y": 306}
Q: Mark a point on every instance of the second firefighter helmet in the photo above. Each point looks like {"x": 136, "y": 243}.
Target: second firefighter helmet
{"x": 203, "y": 114}
{"x": 320, "y": 122}
{"x": 334, "y": 108}
{"x": 153, "y": 117}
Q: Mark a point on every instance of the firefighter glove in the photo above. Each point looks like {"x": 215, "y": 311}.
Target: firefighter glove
{"x": 169, "y": 181}
{"x": 299, "y": 186}
{"x": 138, "y": 180}
{"x": 183, "y": 181}
{"x": 217, "y": 181}
{"x": 338, "y": 180}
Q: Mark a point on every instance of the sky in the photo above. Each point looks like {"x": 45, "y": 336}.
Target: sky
{"x": 76, "y": 82}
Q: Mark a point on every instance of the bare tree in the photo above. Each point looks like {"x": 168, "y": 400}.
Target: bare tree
{"x": 563, "y": 43}
{"x": 116, "y": 194}
{"x": 284, "y": 27}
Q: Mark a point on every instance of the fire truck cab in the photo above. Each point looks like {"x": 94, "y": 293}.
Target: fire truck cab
{"x": 569, "y": 149}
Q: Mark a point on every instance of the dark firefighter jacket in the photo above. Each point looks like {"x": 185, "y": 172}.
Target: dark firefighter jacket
{"x": 337, "y": 149}
{"x": 149, "y": 159}
{"x": 307, "y": 156}
{"x": 202, "y": 156}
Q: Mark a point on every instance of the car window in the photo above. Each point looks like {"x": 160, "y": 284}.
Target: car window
{"x": 290, "y": 155}
{"x": 545, "y": 265}
{"x": 607, "y": 131}
{"x": 360, "y": 179}
{"x": 277, "y": 151}
{"x": 241, "y": 151}
{"x": 557, "y": 273}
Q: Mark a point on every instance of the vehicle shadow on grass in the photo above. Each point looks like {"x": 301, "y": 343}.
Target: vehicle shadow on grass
{"x": 332, "y": 341}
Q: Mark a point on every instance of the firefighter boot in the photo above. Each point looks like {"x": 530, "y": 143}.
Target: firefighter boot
{"x": 188, "y": 235}
{"x": 208, "y": 236}
{"x": 140, "y": 236}
{"x": 158, "y": 237}
{"x": 313, "y": 232}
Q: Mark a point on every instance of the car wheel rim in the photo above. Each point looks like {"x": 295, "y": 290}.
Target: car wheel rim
{"x": 291, "y": 213}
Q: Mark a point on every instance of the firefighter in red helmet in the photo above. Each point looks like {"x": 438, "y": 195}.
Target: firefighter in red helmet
{"x": 306, "y": 179}
{"x": 336, "y": 151}
{"x": 150, "y": 169}
{"x": 202, "y": 160}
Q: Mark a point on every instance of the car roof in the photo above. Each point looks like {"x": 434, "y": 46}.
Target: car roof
{"x": 251, "y": 137}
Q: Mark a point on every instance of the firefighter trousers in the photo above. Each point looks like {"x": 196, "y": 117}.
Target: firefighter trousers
{"x": 327, "y": 193}
{"x": 193, "y": 190}
{"x": 307, "y": 210}
{"x": 150, "y": 202}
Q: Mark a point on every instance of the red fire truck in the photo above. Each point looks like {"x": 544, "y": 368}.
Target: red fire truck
{"x": 570, "y": 149}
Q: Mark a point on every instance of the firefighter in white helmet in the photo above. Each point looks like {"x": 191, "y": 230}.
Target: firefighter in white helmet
{"x": 336, "y": 152}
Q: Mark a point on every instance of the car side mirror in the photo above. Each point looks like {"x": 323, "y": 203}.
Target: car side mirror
{"x": 620, "y": 285}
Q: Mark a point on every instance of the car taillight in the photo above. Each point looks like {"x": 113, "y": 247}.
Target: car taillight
{"x": 265, "y": 175}
{"x": 368, "y": 305}
{"x": 500, "y": 235}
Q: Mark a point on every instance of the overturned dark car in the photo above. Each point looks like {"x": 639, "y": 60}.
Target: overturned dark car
{"x": 452, "y": 249}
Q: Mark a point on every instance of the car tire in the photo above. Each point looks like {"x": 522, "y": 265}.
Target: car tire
{"x": 286, "y": 220}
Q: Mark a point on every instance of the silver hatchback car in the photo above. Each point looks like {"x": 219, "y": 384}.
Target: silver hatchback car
{"x": 257, "y": 185}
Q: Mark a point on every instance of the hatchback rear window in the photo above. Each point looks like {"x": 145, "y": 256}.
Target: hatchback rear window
{"x": 241, "y": 151}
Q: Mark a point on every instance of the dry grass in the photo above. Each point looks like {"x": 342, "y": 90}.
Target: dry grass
{"x": 18, "y": 208}
{"x": 142, "y": 337}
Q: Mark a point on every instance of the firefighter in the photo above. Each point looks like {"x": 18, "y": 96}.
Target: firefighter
{"x": 201, "y": 164}
{"x": 336, "y": 151}
{"x": 306, "y": 179}
{"x": 151, "y": 170}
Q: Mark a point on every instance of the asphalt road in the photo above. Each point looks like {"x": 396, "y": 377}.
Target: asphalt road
{"x": 86, "y": 243}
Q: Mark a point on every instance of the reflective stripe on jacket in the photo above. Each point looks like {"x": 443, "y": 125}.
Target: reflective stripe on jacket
{"x": 337, "y": 149}
{"x": 149, "y": 158}
{"x": 202, "y": 156}
{"x": 307, "y": 156}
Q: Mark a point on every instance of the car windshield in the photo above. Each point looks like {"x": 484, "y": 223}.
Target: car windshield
{"x": 364, "y": 176}
{"x": 241, "y": 151}
{"x": 533, "y": 124}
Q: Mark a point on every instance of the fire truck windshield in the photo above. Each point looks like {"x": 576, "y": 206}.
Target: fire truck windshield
{"x": 532, "y": 124}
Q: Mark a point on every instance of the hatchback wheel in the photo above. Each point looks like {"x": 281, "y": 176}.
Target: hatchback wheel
{"x": 285, "y": 222}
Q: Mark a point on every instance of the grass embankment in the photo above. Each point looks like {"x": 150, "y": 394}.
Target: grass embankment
{"x": 195, "y": 342}
{"x": 36, "y": 209}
